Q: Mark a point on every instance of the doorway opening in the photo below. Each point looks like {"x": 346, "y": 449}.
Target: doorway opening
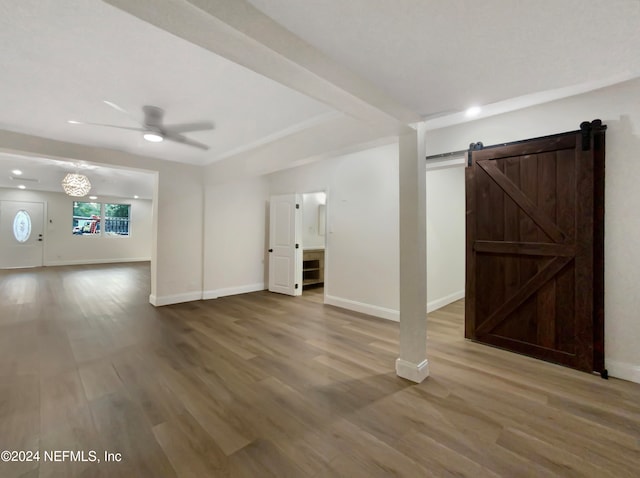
{"x": 42, "y": 226}
{"x": 313, "y": 243}
{"x": 297, "y": 244}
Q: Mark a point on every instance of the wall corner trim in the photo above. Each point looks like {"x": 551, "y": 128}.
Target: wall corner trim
{"x": 223, "y": 292}
{"x": 369, "y": 309}
{"x": 623, "y": 370}
{"x": 159, "y": 301}
{"x": 442, "y": 301}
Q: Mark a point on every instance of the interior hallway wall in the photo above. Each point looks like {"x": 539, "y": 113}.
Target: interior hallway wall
{"x": 235, "y": 220}
{"x": 361, "y": 258}
{"x": 362, "y": 238}
{"x": 445, "y": 236}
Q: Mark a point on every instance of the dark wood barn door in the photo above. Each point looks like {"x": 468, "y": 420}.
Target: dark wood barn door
{"x": 535, "y": 247}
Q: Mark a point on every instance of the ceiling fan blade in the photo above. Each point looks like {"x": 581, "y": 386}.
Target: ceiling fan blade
{"x": 122, "y": 110}
{"x": 106, "y": 125}
{"x": 188, "y": 127}
{"x": 116, "y": 107}
{"x": 178, "y": 138}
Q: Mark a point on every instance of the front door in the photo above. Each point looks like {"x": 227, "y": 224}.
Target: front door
{"x": 285, "y": 252}
{"x": 534, "y": 248}
{"x": 21, "y": 234}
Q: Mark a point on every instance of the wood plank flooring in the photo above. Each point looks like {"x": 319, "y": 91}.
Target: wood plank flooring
{"x": 261, "y": 385}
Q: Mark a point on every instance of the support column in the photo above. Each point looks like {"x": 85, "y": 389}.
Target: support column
{"x": 412, "y": 363}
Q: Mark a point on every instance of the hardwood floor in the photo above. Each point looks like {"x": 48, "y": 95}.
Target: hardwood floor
{"x": 261, "y": 385}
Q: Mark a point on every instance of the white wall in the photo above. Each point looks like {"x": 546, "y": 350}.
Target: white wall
{"x": 179, "y": 237}
{"x": 445, "y": 236}
{"x": 618, "y": 108}
{"x": 311, "y": 237}
{"x": 61, "y": 247}
{"x": 361, "y": 262}
{"x": 362, "y": 258}
{"x": 235, "y": 220}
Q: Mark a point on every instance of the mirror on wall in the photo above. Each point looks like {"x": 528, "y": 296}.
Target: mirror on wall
{"x": 313, "y": 220}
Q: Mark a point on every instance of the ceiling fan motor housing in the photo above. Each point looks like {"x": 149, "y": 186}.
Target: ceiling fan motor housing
{"x": 153, "y": 116}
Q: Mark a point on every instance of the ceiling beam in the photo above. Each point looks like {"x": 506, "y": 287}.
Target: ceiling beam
{"x": 240, "y": 33}
{"x": 316, "y": 142}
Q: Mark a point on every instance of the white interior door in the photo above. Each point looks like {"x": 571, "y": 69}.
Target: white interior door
{"x": 21, "y": 234}
{"x": 285, "y": 250}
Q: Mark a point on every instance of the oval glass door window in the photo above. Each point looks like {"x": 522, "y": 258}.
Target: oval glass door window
{"x": 22, "y": 226}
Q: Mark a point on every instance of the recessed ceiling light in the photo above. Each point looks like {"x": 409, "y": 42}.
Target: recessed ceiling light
{"x": 153, "y": 137}
{"x": 16, "y": 172}
{"x": 73, "y": 122}
{"x": 136, "y": 197}
{"x": 93, "y": 197}
{"x": 22, "y": 186}
{"x": 473, "y": 111}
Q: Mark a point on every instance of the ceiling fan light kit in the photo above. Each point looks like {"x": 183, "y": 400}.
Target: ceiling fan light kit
{"x": 76, "y": 185}
{"x": 153, "y": 137}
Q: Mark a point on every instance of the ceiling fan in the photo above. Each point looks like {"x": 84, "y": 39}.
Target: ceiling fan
{"x": 154, "y": 129}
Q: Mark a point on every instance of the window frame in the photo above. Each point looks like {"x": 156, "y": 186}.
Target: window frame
{"x": 102, "y": 219}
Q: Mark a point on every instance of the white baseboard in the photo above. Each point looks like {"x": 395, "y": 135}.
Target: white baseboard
{"x": 376, "y": 311}
{"x": 204, "y": 295}
{"x": 439, "y": 303}
{"x": 86, "y": 262}
{"x": 412, "y": 371}
{"x": 625, "y": 371}
{"x": 243, "y": 289}
{"x": 389, "y": 314}
{"x": 175, "y": 299}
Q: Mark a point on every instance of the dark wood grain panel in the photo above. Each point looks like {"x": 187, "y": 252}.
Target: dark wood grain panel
{"x": 529, "y": 288}
{"x": 547, "y": 204}
{"x": 511, "y": 169}
{"x": 524, "y": 325}
{"x": 565, "y": 286}
{"x": 599, "y": 148}
{"x": 536, "y": 246}
{"x": 470, "y": 263}
{"x": 525, "y": 248}
{"x": 525, "y": 203}
{"x": 494, "y": 291}
{"x": 527, "y": 147}
{"x": 584, "y": 273}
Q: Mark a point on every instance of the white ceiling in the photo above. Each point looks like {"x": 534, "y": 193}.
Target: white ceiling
{"x": 44, "y": 174}
{"x": 60, "y": 59}
{"x": 437, "y": 56}
{"x": 340, "y": 61}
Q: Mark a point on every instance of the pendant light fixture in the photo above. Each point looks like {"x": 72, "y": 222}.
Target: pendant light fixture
{"x": 76, "y": 185}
